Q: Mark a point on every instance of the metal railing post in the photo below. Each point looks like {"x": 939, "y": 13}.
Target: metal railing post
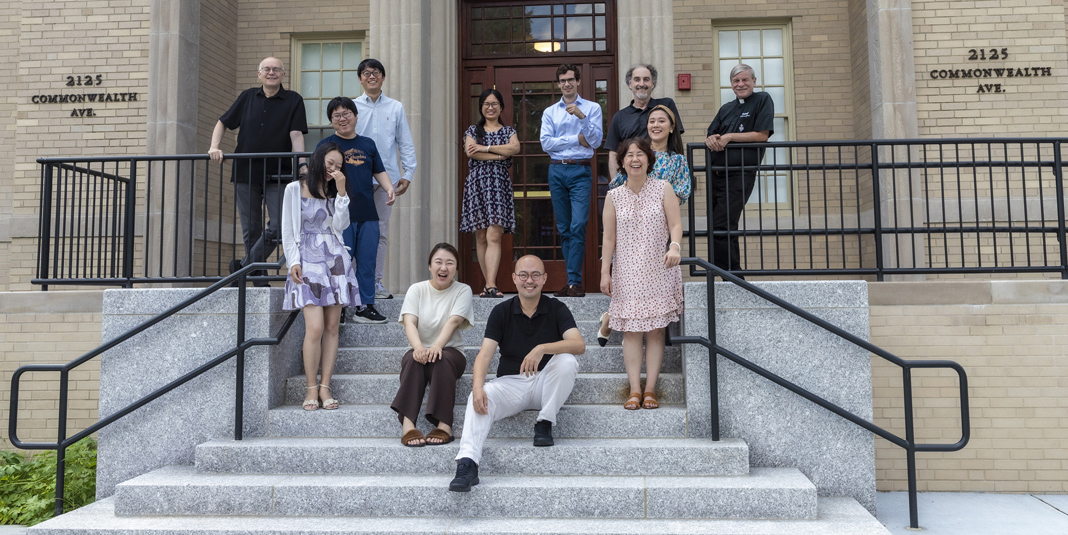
{"x": 130, "y": 213}
{"x": 910, "y": 450}
{"x": 239, "y": 393}
{"x": 713, "y": 353}
{"x": 45, "y": 238}
{"x": 1058, "y": 177}
{"x": 61, "y": 438}
{"x": 877, "y": 211}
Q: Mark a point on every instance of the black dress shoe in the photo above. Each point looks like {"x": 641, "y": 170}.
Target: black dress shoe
{"x": 563, "y": 292}
{"x": 543, "y": 433}
{"x": 575, "y": 290}
{"x": 466, "y": 476}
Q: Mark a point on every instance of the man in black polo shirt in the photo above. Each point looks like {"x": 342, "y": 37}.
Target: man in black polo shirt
{"x": 750, "y": 118}
{"x": 538, "y": 339}
{"x": 631, "y": 121}
{"x": 271, "y": 119}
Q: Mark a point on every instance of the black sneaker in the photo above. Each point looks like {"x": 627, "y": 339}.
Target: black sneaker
{"x": 543, "y": 433}
{"x": 466, "y": 476}
{"x": 368, "y": 314}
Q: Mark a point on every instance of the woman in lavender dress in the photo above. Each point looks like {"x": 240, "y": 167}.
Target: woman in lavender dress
{"x": 487, "y": 209}
{"x": 315, "y": 212}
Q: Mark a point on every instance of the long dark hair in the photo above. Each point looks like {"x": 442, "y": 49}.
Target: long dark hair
{"x": 674, "y": 140}
{"x": 316, "y": 177}
{"x": 480, "y": 128}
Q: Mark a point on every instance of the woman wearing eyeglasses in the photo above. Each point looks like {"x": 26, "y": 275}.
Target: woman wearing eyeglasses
{"x": 644, "y": 280}
{"x": 487, "y": 208}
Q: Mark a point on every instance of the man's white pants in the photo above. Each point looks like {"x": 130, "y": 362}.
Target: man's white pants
{"x": 383, "y": 210}
{"x": 511, "y": 394}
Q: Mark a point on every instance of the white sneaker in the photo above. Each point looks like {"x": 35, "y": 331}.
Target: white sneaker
{"x": 381, "y": 292}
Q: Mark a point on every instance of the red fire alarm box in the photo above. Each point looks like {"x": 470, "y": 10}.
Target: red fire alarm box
{"x": 684, "y": 82}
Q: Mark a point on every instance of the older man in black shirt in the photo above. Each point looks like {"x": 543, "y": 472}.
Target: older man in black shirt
{"x": 271, "y": 119}
{"x": 538, "y": 339}
{"x": 631, "y": 121}
{"x": 750, "y": 118}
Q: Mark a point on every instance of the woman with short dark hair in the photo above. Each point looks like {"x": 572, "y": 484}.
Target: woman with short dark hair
{"x": 433, "y": 314}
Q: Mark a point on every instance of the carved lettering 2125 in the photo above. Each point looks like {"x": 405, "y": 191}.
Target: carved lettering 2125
{"x": 87, "y": 79}
{"x": 981, "y": 54}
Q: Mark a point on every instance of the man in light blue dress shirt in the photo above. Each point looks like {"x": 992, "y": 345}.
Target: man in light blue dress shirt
{"x": 382, "y": 119}
{"x": 570, "y": 129}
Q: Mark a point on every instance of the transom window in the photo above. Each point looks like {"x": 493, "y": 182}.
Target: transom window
{"x": 765, "y": 48}
{"x": 325, "y": 68}
{"x": 535, "y": 28}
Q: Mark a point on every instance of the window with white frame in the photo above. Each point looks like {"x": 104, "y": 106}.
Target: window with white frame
{"x": 765, "y": 48}
{"x": 325, "y": 68}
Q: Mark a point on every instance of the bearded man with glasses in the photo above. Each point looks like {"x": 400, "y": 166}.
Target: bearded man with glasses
{"x": 382, "y": 119}
{"x": 271, "y": 119}
{"x": 538, "y": 339}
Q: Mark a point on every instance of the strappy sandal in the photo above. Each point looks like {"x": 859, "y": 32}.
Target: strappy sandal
{"x": 602, "y": 337}
{"x": 491, "y": 292}
{"x": 633, "y": 402}
{"x": 650, "y": 401}
{"x": 312, "y": 403}
{"x": 414, "y": 434}
{"x": 330, "y": 404}
{"x": 439, "y": 434}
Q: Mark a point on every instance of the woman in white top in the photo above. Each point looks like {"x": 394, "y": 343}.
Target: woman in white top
{"x": 434, "y": 312}
{"x": 315, "y": 211}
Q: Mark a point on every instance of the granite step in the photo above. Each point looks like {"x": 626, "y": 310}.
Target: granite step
{"x": 596, "y": 359}
{"x": 835, "y": 516}
{"x": 582, "y": 308}
{"x": 501, "y": 456}
{"x": 573, "y": 421}
{"x": 606, "y": 388}
{"x": 392, "y": 334}
{"x": 765, "y": 493}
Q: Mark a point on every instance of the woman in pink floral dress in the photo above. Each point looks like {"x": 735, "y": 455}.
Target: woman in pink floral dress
{"x": 645, "y": 283}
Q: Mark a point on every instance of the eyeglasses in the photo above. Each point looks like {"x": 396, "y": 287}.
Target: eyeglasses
{"x": 339, "y": 116}
{"x": 534, "y": 275}
{"x": 271, "y": 70}
{"x": 566, "y": 81}
{"x": 370, "y": 73}
{"x": 491, "y": 105}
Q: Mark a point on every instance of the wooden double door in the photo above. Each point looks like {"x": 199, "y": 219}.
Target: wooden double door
{"x": 528, "y": 89}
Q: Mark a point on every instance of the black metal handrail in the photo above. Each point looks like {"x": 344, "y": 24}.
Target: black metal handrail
{"x": 908, "y": 443}
{"x": 63, "y": 441}
{"x": 883, "y": 207}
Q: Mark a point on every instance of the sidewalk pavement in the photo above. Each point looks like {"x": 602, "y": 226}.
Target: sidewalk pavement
{"x": 974, "y": 513}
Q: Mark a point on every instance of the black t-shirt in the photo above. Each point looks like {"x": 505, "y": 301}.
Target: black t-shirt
{"x": 632, "y": 122}
{"x": 516, "y": 334}
{"x": 754, "y": 114}
{"x": 362, "y": 162}
{"x": 265, "y": 126}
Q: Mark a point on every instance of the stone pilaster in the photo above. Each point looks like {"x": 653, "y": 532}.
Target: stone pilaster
{"x": 416, "y": 40}
{"x": 173, "y": 66}
{"x": 646, "y": 34}
{"x": 892, "y": 74}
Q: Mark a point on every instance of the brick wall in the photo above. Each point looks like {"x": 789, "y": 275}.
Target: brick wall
{"x": 1011, "y": 338}
{"x": 48, "y": 328}
{"x": 1032, "y": 31}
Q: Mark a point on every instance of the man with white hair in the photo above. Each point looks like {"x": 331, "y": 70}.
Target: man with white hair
{"x": 631, "y": 121}
{"x": 750, "y": 118}
{"x": 271, "y": 119}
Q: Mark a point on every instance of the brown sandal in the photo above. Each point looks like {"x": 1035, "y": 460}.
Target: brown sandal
{"x": 414, "y": 434}
{"x": 633, "y": 402}
{"x": 439, "y": 434}
{"x": 650, "y": 401}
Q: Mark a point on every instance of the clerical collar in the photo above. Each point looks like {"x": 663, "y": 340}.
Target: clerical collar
{"x": 741, "y": 101}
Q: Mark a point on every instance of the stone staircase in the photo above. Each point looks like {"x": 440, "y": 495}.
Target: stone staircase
{"x": 345, "y": 471}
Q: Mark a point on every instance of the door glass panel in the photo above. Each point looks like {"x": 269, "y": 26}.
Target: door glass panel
{"x": 538, "y": 29}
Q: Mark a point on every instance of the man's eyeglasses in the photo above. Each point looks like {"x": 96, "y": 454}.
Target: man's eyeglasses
{"x": 271, "y": 70}
{"x": 534, "y": 276}
{"x": 371, "y": 74}
{"x": 566, "y": 81}
{"x": 338, "y": 116}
